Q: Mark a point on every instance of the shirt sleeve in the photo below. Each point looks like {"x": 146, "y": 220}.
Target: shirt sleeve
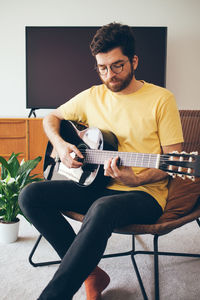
{"x": 169, "y": 123}
{"x": 75, "y": 109}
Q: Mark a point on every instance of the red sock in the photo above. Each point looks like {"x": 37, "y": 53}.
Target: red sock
{"x": 96, "y": 282}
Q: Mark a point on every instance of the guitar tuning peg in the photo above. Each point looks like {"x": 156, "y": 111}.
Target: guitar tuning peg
{"x": 194, "y": 152}
{"x": 170, "y": 168}
{"x": 183, "y": 152}
{"x": 173, "y": 175}
{"x": 191, "y": 177}
{"x": 182, "y": 176}
{"x": 180, "y": 168}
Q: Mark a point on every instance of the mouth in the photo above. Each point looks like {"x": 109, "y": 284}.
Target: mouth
{"x": 114, "y": 81}
{"x": 114, "y": 85}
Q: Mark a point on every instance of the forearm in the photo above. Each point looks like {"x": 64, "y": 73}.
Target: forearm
{"x": 154, "y": 175}
{"x": 127, "y": 176}
{"x": 51, "y": 125}
{"x": 149, "y": 176}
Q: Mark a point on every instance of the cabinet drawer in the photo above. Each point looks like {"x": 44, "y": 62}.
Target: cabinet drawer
{"x": 13, "y": 128}
{"x": 13, "y": 137}
{"x": 9, "y": 145}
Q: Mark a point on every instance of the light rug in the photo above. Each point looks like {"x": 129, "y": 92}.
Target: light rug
{"x": 179, "y": 277}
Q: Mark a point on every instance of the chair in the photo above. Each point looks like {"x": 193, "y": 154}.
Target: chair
{"x": 183, "y": 206}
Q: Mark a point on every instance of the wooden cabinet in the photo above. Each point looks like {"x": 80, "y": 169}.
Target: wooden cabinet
{"x": 25, "y": 136}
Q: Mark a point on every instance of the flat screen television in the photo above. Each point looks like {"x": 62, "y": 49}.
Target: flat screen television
{"x": 59, "y": 63}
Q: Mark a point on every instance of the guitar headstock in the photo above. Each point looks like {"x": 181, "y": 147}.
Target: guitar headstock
{"x": 181, "y": 164}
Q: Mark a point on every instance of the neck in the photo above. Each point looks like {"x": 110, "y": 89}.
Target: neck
{"x": 133, "y": 87}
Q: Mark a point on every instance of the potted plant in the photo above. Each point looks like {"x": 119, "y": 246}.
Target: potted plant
{"x": 14, "y": 177}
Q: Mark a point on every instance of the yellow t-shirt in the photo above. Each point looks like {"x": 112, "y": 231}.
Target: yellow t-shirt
{"x": 142, "y": 122}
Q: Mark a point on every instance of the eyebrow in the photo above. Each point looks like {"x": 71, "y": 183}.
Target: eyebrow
{"x": 116, "y": 62}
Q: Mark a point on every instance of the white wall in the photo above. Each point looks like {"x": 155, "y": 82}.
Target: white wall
{"x": 180, "y": 16}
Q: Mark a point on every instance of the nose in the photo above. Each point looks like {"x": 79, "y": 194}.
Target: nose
{"x": 110, "y": 73}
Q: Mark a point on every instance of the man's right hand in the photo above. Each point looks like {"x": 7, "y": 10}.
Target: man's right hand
{"x": 69, "y": 154}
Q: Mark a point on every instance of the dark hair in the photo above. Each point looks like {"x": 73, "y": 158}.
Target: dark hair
{"x": 112, "y": 36}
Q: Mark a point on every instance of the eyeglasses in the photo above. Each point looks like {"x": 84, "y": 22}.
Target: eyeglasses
{"x": 115, "y": 67}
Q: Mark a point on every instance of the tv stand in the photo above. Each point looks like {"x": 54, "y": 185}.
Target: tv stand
{"x": 32, "y": 112}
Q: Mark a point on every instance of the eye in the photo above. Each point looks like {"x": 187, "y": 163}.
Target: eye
{"x": 102, "y": 68}
{"x": 117, "y": 66}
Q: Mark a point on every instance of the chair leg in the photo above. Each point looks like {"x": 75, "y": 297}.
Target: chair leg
{"x": 137, "y": 270}
{"x": 156, "y": 268}
{"x": 155, "y": 253}
{"x": 40, "y": 264}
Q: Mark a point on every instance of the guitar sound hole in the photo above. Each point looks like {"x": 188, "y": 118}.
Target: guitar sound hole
{"x": 89, "y": 167}
{"x": 81, "y": 147}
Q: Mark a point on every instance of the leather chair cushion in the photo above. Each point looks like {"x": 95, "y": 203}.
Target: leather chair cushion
{"x": 182, "y": 197}
{"x": 182, "y": 207}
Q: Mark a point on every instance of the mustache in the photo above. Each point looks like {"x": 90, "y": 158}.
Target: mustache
{"x": 114, "y": 79}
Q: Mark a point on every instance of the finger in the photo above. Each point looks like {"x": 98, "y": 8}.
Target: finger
{"x": 114, "y": 163}
{"x": 70, "y": 161}
{"x": 111, "y": 168}
{"x": 75, "y": 164}
{"x": 107, "y": 167}
{"x": 107, "y": 164}
{"x": 72, "y": 155}
{"x": 114, "y": 167}
{"x": 74, "y": 149}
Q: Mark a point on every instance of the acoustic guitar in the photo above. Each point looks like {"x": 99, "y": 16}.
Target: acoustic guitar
{"x": 98, "y": 146}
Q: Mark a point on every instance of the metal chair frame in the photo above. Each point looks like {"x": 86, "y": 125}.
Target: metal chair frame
{"x": 132, "y": 253}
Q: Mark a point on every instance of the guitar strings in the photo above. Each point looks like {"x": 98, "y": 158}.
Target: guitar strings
{"x": 143, "y": 158}
{"x": 131, "y": 155}
{"x": 131, "y": 159}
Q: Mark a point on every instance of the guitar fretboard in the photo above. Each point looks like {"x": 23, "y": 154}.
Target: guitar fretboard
{"x": 129, "y": 159}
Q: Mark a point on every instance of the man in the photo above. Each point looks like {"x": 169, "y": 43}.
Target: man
{"x": 145, "y": 119}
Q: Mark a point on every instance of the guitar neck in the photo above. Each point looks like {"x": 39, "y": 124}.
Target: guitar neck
{"x": 129, "y": 159}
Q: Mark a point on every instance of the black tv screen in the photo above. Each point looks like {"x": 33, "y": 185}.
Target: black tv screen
{"x": 59, "y": 63}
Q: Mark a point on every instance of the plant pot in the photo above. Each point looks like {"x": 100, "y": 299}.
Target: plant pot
{"x": 9, "y": 231}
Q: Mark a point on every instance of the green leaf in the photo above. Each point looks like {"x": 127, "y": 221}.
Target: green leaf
{"x": 28, "y": 166}
{"x": 2, "y": 202}
{"x": 2, "y": 212}
{"x": 4, "y": 172}
{"x": 5, "y": 168}
{"x": 11, "y": 166}
{"x": 14, "y": 164}
{"x": 25, "y": 169}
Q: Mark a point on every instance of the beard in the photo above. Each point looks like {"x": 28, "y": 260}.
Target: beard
{"x": 116, "y": 84}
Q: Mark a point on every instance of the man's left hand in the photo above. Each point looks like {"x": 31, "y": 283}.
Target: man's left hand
{"x": 123, "y": 174}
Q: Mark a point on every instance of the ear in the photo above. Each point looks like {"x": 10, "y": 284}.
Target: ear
{"x": 135, "y": 62}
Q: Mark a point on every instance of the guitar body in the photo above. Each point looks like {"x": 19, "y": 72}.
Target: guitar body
{"x": 83, "y": 138}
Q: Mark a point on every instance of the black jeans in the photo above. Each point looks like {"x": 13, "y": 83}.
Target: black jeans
{"x": 43, "y": 204}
